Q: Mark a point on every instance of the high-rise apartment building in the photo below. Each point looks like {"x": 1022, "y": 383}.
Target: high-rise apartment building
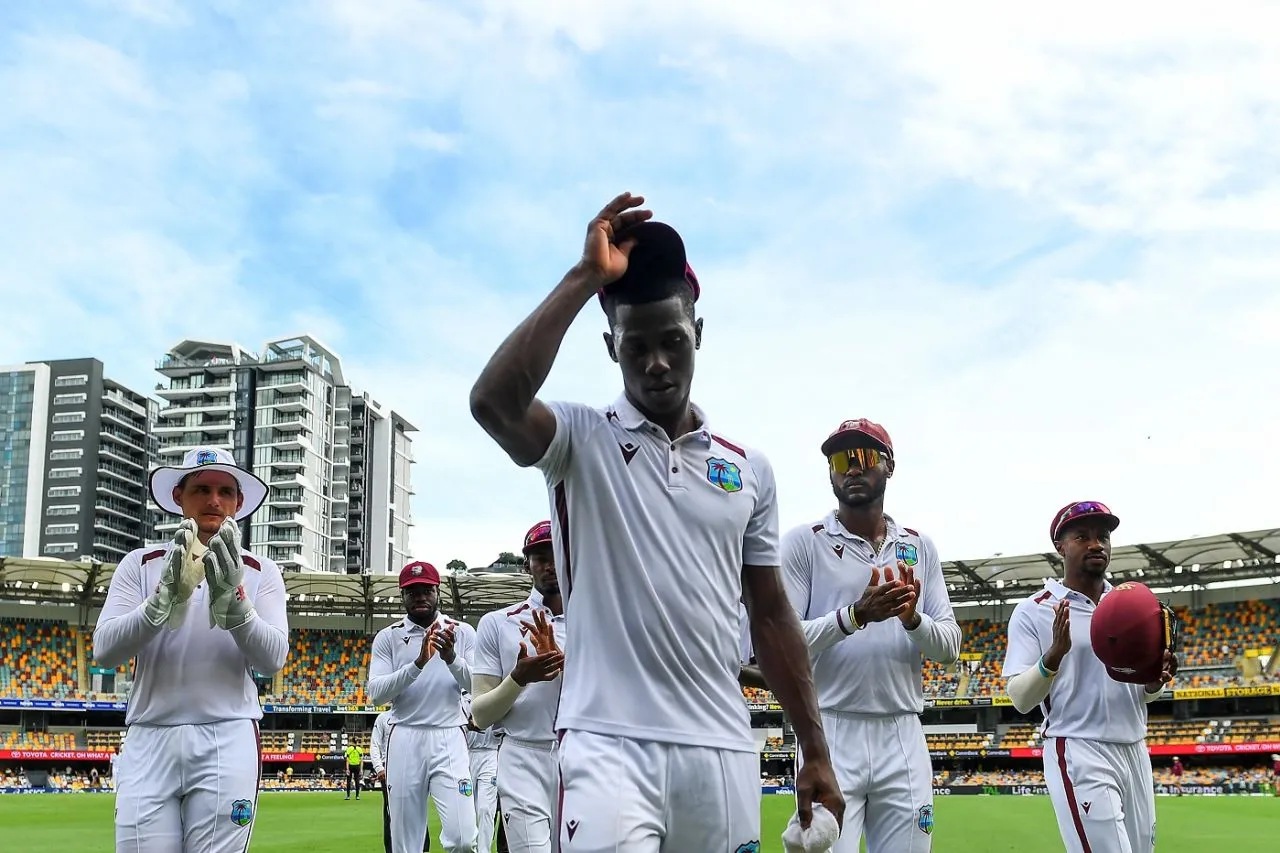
{"x": 336, "y": 462}
{"x": 75, "y": 451}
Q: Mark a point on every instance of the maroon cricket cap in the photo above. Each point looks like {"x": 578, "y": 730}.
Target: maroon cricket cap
{"x": 1073, "y": 512}
{"x": 1130, "y": 632}
{"x": 856, "y": 433}
{"x": 539, "y": 534}
{"x": 658, "y": 254}
{"x": 417, "y": 573}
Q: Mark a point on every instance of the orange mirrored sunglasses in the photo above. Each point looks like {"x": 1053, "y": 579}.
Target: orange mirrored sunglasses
{"x": 859, "y": 458}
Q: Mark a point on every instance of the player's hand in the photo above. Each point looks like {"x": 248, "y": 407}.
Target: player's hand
{"x": 907, "y": 576}
{"x": 428, "y": 650}
{"x": 444, "y": 641}
{"x": 542, "y": 634}
{"x": 1061, "y": 636}
{"x": 883, "y": 600}
{"x": 1168, "y": 669}
{"x": 537, "y": 667}
{"x": 604, "y": 257}
{"x": 229, "y": 606}
{"x": 816, "y": 783}
{"x": 169, "y": 602}
{"x": 382, "y": 776}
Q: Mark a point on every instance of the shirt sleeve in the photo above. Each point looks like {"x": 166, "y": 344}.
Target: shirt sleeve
{"x": 573, "y": 421}
{"x": 488, "y": 655}
{"x": 123, "y": 630}
{"x": 938, "y": 635}
{"x": 464, "y": 653}
{"x": 760, "y": 542}
{"x": 1024, "y": 643}
{"x": 825, "y": 630}
{"x": 385, "y": 681}
{"x": 265, "y": 640}
{"x": 375, "y": 743}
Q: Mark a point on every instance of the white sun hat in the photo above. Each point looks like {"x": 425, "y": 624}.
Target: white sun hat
{"x": 164, "y": 480}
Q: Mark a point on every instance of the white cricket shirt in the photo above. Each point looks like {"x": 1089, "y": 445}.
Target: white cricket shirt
{"x": 431, "y": 696}
{"x": 650, "y": 539}
{"x": 878, "y": 669}
{"x": 485, "y": 739}
{"x": 378, "y": 742}
{"x": 196, "y": 673}
{"x": 498, "y": 639}
{"x": 1083, "y": 701}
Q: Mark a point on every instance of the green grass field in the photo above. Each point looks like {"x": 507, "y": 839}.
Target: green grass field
{"x": 325, "y": 823}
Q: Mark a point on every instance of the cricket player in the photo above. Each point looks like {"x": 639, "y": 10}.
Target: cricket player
{"x": 355, "y": 775}
{"x": 378, "y": 758}
{"x": 873, "y": 602}
{"x": 198, "y": 616}
{"x": 421, "y": 665}
{"x": 482, "y": 746}
{"x": 518, "y": 693}
{"x": 1096, "y": 764}
{"x": 661, "y": 526}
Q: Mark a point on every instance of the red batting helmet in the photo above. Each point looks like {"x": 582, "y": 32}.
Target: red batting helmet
{"x": 539, "y": 534}
{"x": 1130, "y": 632}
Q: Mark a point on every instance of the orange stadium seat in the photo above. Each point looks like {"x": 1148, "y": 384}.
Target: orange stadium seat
{"x": 326, "y": 667}
{"x": 37, "y": 660}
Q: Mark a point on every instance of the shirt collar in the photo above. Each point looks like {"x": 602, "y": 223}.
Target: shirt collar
{"x": 1061, "y": 591}
{"x": 835, "y": 528}
{"x": 633, "y": 419}
{"x": 537, "y": 603}
{"x": 413, "y": 627}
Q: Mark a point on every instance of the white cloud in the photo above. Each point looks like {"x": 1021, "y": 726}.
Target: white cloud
{"x": 1038, "y": 244}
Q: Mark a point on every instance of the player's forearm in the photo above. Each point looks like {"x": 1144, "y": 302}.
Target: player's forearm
{"x": 824, "y": 632}
{"x": 461, "y": 672}
{"x": 385, "y": 687}
{"x": 118, "y": 639}
{"x": 265, "y": 646}
{"x": 509, "y": 382}
{"x": 1149, "y": 696}
{"x": 783, "y": 656}
{"x": 1028, "y": 689}
{"x": 491, "y": 706}
{"x": 937, "y": 639}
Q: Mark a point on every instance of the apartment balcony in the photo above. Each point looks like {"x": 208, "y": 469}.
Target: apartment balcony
{"x": 119, "y": 436}
{"x": 172, "y": 365}
{"x": 285, "y": 384}
{"x": 135, "y": 480}
{"x": 286, "y": 466}
{"x": 120, "y": 419}
{"x": 120, "y": 509}
{"x": 177, "y": 392}
{"x": 110, "y": 525}
{"x": 293, "y": 403}
{"x": 285, "y": 520}
{"x": 278, "y": 537}
{"x": 113, "y": 490}
{"x": 110, "y": 552}
{"x": 115, "y": 454}
{"x": 115, "y": 398}
{"x": 284, "y": 497}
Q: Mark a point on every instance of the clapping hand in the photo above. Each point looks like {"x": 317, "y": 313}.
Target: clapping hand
{"x": 229, "y": 605}
{"x": 169, "y": 602}
{"x": 547, "y": 660}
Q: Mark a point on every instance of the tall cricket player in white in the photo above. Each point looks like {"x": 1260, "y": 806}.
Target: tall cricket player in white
{"x": 421, "y": 665}
{"x": 482, "y": 745}
{"x": 517, "y": 688}
{"x": 873, "y": 604}
{"x": 189, "y": 780}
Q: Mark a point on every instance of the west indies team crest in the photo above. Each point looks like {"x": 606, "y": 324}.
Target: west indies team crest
{"x": 241, "y": 812}
{"x": 908, "y": 554}
{"x": 724, "y": 474}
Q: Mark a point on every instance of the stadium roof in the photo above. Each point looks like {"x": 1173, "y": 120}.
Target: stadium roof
{"x": 1222, "y": 558}
{"x": 1178, "y": 563}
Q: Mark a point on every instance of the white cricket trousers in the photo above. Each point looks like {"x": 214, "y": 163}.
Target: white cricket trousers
{"x": 188, "y": 789}
{"x": 484, "y": 786}
{"x": 621, "y": 795}
{"x": 433, "y": 762}
{"x": 882, "y": 765}
{"x": 1103, "y": 795}
{"x": 528, "y": 782}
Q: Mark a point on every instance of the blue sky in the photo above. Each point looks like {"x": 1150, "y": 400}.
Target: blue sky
{"x": 1040, "y": 248}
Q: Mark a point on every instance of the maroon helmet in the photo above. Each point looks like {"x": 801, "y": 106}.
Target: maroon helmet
{"x": 1130, "y": 632}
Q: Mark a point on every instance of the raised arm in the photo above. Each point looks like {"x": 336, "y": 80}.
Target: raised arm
{"x": 503, "y": 399}
{"x": 124, "y": 625}
{"x": 934, "y": 629}
{"x": 264, "y": 641}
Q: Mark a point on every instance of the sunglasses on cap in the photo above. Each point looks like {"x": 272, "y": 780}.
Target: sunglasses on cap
{"x": 858, "y": 458}
{"x": 1081, "y": 509}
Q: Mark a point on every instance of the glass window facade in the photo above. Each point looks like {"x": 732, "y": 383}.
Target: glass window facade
{"x": 17, "y": 400}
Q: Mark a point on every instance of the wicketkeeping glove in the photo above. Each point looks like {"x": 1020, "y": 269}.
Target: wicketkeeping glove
{"x": 229, "y": 606}
{"x": 168, "y": 604}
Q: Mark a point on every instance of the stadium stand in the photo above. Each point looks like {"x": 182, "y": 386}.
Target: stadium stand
{"x": 326, "y": 668}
